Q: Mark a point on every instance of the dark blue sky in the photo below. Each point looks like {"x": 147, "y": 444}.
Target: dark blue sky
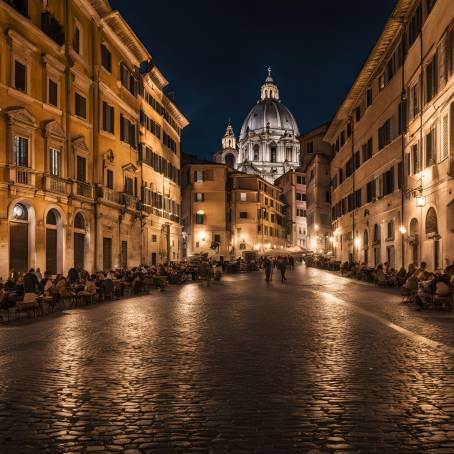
{"x": 215, "y": 55}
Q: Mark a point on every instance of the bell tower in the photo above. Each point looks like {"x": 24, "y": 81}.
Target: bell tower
{"x": 229, "y": 139}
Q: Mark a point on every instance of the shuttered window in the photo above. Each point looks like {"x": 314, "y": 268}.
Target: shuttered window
{"x": 108, "y": 118}
{"x": 21, "y": 151}
{"x": 80, "y": 105}
{"x": 20, "y": 76}
{"x": 53, "y": 93}
{"x": 106, "y": 58}
{"x": 107, "y": 253}
{"x": 81, "y": 171}
{"x": 55, "y": 162}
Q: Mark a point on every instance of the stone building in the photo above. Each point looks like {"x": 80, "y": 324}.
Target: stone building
{"x": 293, "y": 186}
{"x": 78, "y": 185}
{"x": 268, "y": 144}
{"x": 315, "y": 161}
{"x": 226, "y": 212}
{"x": 393, "y": 144}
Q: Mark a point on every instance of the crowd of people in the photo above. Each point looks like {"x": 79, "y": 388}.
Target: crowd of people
{"x": 418, "y": 285}
{"x": 27, "y": 292}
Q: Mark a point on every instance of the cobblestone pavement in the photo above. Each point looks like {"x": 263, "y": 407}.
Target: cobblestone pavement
{"x": 318, "y": 364}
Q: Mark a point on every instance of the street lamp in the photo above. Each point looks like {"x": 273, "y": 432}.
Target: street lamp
{"x": 420, "y": 201}
{"x": 402, "y": 229}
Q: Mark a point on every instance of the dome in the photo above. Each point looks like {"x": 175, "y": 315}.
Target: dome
{"x": 269, "y": 112}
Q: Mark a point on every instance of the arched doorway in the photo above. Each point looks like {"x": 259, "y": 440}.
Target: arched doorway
{"x": 80, "y": 232}
{"x": 54, "y": 242}
{"x": 414, "y": 241}
{"x": 366, "y": 247}
{"x": 19, "y": 239}
{"x": 377, "y": 244}
{"x": 432, "y": 234}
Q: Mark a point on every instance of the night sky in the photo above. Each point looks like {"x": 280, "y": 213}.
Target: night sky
{"x": 215, "y": 55}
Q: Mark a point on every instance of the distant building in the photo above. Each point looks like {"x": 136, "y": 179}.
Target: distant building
{"x": 393, "y": 144}
{"x": 316, "y": 165}
{"x": 226, "y": 212}
{"x": 268, "y": 145}
{"x": 293, "y": 185}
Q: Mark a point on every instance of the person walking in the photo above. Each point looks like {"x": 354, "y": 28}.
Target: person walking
{"x": 282, "y": 266}
{"x": 268, "y": 269}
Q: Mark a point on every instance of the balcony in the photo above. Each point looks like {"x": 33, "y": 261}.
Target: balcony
{"x": 130, "y": 201}
{"x": 23, "y": 176}
{"x": 55, "y": 184}
{"x": 110, "y": 195}
{"x": 82, "y": 189}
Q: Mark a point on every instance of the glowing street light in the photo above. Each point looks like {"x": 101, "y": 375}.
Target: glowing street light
{"x": 402, "y": 229}
{"x": 420, "y": 201}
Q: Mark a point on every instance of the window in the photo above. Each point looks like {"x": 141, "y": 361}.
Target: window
{"x": 300, "y": 179}
{"x": 256, "y": 153}
{"x": 52, "y": 93}
{"x": 200, "y": 218}
{"x": 289, "y": 154}
{"x": 367, "y": 150}
{"x": 21, "y": 151}
{"x": 402, "y": 118}
{"x": 54, "y": 162}
{"x": 199, "y": 196}
{"x": 357, "y": 160}
{"x": 381, "y": 82}
{"x": 243, "y": 215}
{"x": 243, "y": 196}
{"x": 300, "y": 197}
{"x": 415, "y": 26}
{"x": 388, "y": 181}
{"x": 431, "y": 75}
{"x": 368, "y": 96}
{"x": 20, "y": 76}
{"x": 169, "y": 142}
{"x": 128, "y": 131}
{"x": 154, "y": 238}
{"x": 415, "y": 100}
{"x": 108, "y": 118}
{"x": 80, "y": 105}
{"x": 384, "y": 134}
{"x": 199, "y": 175}
{"x": 444, "y": 137}
{"x": 128, "y": 80}
{"x": 310, "y": 147}
{"x": 19, "y": 5}
{"x": 109, "y": 179}
{"x": 390, "y": 231}
{"x": 81, "y": 169}
{"x": 415, "y": 158}
{"x": 430, "y": 148}
{"x": 77, "y": 39}
{"x": 129, "y": 185}
{"x": 273, "y": 154}
{"x": 106, "y": 58}
{"x": 358, "y": 113}
{"x": 371, "y": 191}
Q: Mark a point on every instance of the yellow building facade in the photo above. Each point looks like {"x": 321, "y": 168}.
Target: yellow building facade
{"x": 74, "y": 80}
{"x": 392, "y": 142}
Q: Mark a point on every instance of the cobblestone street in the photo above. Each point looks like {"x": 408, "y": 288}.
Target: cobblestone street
{"x": 318, "y": 364}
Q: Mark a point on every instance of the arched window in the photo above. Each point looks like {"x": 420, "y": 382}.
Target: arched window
{"x": 273, "y": 153}
{"x": 79, "y": 221}
{"x": 256, "y": 153}
{"x": 51, "y": 218}
{"x": 414, "y": 227}
{"x": 431, "y": 222}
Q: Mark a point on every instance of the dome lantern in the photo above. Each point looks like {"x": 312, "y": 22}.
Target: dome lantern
{"x": 269, "y": 88}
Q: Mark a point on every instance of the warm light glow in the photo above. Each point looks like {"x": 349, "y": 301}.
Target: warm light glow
{"x": 402, "y": 230}
{"x": 420, "y": 201}
{"x": 200, "y": 212}
{"x": 357, "y": 242}
{"x": 202, "y": 235}
{"x": 316, "y": 227}
{"x": 18, "y": 211}
{"x": 331, "y": 239}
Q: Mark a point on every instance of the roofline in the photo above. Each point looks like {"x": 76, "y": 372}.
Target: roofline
{"x": 372, "y": 63}
{"x": 326, "y": 123}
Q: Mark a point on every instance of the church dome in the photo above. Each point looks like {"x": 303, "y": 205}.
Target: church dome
{"x": 269, "y": 113}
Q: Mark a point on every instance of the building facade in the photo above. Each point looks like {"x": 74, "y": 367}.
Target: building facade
{"x": 74, "y": 80}
{"x": 226, "y": 212}
{"x": 268, "y": 144}
{"x": 316, "y": 157}
{"x": 293, "y": 186}
{"x": 392, "y": 143}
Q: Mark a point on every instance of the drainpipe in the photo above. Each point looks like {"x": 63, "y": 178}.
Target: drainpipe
{"x": 67, "y": 113}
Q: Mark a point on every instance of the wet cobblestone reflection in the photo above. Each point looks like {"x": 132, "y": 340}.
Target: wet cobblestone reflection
{"x": 238, "y": 367}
